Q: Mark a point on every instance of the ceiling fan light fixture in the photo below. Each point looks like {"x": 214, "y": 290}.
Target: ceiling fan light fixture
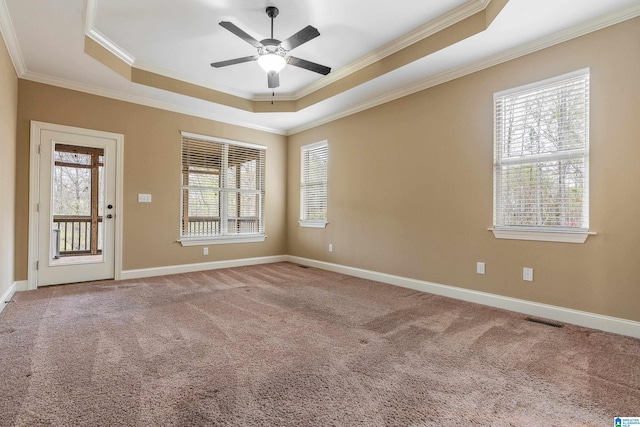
{"x": 272, "y": 53}
{"x": 272, "y": 63}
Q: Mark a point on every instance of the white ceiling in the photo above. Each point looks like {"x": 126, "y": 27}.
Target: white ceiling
{"x": 180, "y": 38}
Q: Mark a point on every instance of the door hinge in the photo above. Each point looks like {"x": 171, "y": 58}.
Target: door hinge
{"x": 37, "y": 207}
{"x": 38, "y": 148}
{"x": 37, "y": 265}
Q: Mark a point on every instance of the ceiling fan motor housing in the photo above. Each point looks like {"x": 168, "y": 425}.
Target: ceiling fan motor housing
{"x": 271, "y": 46}
{"x": 272, "y": 12}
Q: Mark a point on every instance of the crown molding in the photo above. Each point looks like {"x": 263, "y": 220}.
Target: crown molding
{"x": 560, "y": 37}
{"x": 105, "y": 42}
{"x": 140, "y": 100}
{"x": 90, "y": 17}
{"x": 91, "y": 31}
{"x": 11, "y": 40}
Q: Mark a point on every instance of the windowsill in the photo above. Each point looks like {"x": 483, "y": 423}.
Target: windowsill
{"x": 564, "y": 236}
{"x": 201, "y": 241}
{"x": 313, "y": 224}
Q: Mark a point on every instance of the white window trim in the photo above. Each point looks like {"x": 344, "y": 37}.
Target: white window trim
{"x": 309, "y": 223}
{"x": 199, "y": 241}
{"x": 223, "y": 239}
{"x": 541, "y": 234}
{"x": 312, "y": 223}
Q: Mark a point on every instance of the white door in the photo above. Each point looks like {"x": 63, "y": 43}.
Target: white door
{"x": 76, "y": 208}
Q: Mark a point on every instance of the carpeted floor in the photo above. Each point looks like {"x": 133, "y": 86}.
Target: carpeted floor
{"x": 281, "y": 345}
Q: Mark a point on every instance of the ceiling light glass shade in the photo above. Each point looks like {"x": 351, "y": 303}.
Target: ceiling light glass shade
{"x": 272, "y": 63}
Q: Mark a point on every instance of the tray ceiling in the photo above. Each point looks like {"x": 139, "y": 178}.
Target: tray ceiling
{"x": 157, "y": 52}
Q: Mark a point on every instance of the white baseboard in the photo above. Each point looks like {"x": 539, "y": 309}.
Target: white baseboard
{"x": 560, "y": 314}
{"x": 7, "y": 296}
{"x": 22, "y": 285}
{"x": 188, "y": 268}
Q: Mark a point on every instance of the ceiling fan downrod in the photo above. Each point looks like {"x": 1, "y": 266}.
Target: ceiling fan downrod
{"x": 272, "y": 12}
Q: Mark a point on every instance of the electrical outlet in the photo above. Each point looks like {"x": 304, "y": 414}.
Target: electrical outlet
{"x": 205, "y": 251}
{"x": 330, "y": 247}
{"x": 144, "y": 198}
{"x": 480, "y": 268}
{"x": 527, "y": 274}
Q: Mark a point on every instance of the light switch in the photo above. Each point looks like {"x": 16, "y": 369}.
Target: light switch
{"x": 144, "y": 198}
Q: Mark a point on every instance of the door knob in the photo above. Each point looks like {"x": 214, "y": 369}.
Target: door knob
{"x": 109, "y": 206}
{"x": 109, "y": 216}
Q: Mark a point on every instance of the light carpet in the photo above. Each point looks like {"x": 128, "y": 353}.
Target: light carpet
{"x": 282, "y": 345}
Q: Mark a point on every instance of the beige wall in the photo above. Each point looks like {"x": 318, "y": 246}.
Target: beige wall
{"x": 8, "y": 117}
{"x": 151, "y": 165}
{"x": 410, "y": 185}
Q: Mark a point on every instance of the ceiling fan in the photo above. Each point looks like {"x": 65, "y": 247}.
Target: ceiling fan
{"x": 272, "y": 53}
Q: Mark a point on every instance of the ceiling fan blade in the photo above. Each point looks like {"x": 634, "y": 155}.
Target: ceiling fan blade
{"x": 240, "y": 33}
{"x": 302, "y": 36}
{"x": 273, "y": 80}
{"x": 234, "y": 61}
{"x": 308, "y": 65}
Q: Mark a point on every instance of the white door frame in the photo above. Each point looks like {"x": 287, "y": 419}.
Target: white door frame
{"x": 34, "y": 192}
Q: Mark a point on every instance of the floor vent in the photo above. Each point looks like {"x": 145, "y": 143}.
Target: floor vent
{"x": 303, "y": 266}
{"x": 544, "y": 322}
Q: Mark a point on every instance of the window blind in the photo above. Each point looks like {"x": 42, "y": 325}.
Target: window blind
{"x": 222, "y": 187}
{"x": 541, "y": 162}
{"x": 313, "y": 197}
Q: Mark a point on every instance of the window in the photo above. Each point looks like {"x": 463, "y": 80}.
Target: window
{"x": 313, "y": 185}
{"x": 541, "y": 163}
{"x": 222, "y": 191}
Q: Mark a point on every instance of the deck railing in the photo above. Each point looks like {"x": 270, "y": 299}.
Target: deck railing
{"x": 75, "y": 231}
{"x": 75, "y": 234}
{"x": 208, "y": 226}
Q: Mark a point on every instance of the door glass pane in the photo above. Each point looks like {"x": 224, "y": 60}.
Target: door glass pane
{"x": 77, "y": 204}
